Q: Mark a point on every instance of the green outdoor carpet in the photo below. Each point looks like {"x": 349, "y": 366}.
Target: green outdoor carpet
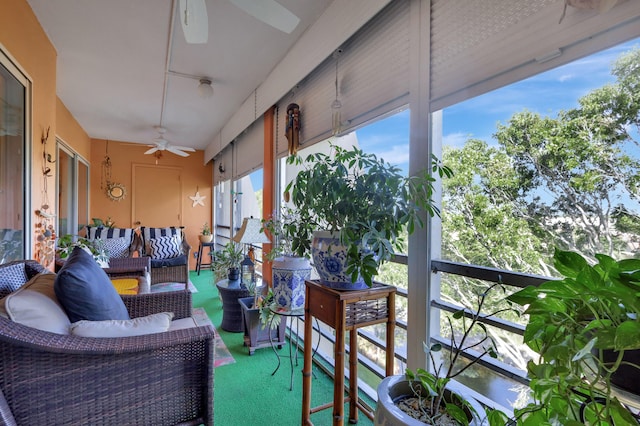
{"x": 245, "y": 392}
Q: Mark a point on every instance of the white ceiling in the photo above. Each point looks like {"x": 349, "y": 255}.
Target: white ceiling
{"x": 112, "y": 59}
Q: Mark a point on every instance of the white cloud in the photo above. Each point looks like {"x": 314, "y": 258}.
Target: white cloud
{"x": 565, "y": 77}
{"x": 456, "y": 140}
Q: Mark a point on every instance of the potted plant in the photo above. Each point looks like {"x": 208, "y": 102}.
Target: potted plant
{"x": 227, "y": 261}
{"x": 363, "y": 204}
{"x": 583, "y": 327}
{"x": 205, "y": 234}
{"x": 95, "y": 247}
{"x": 262, "y": 328}
{"x": 290, "y": 264}
{"x": 432, "y": 396}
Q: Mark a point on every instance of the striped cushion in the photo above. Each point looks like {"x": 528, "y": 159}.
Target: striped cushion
{"x": 164, "y": 247}
{"x": 103, "y": 233}
{"x": 149, "y": 234}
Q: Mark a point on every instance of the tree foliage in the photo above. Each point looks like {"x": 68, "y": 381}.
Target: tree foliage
{"x": 565, "y": 181}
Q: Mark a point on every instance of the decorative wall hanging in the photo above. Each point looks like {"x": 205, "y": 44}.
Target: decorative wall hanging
{"x": 336, "y": 105}
{"x": 115, "y": 191}
{"x": 44, "y": 226}
{"x": 293, "y": 128}
{"x": 198, "y": 199}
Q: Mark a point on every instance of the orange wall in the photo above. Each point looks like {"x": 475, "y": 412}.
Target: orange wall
{"x": 22, "y": 39}
{"x": 123, "y": 156}
{"x": 68, "y": 129}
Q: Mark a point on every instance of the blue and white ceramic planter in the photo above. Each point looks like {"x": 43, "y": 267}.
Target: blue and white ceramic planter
{"x": 329, "y": 258}
{"x": 289, "y": 274}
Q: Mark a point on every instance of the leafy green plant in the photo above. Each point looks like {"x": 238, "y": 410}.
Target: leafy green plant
{"x": 369, "y": 201}
{"x": 282, "y": 227}
{"x": 206, "y": 230}
{"x": 572, "y": 321}
{"x": 68, "y": 242}
{"x": 430, "y": 387}
{"x": 229, "y": 257}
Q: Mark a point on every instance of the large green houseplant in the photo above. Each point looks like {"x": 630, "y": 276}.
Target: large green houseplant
{"x": 364, "y": 202}
{"x": 433, "y": 396}
{"x": 574, "y": 323}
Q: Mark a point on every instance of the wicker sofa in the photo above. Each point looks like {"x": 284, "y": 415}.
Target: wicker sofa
{"x": 156, "y": 379}
{"x": 172, "y": 269}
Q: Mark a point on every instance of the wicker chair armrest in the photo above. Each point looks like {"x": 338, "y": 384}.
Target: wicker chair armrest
{"x": 186, "y": 248}
{"x": 18, "y": 335}
{"x": 178, "y": 302}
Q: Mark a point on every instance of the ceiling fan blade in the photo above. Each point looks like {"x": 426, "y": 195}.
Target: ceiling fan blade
{"x": 152, "y": 150}
{"x": 176, "y": 151}
{"x": 194, "y": 21}
{"x": 270, "y": 12}
{"x": 183, "y": 148}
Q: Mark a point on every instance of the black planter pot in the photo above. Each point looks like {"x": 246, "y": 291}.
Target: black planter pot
{"x": 626, "y": 377}
{"x": 233, "y": 274}
{"x": 256, "y": 335}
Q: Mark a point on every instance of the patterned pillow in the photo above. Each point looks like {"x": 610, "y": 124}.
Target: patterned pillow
{"x": 117, "y": 247}
{"x": 12, "y": 277}
{"x": 165, "y": 247}
{"x": 149, "y": 234}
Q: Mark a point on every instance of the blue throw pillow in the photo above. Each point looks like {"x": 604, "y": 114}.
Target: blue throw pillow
{"x": 85, "y": 291}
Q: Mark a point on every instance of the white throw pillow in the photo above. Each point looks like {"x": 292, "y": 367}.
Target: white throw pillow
{"x": 155, "y": 323}
{"x": 165, "y": 247}
{"x": 35, "y": 305}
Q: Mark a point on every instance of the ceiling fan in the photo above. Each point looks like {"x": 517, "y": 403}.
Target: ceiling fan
{"x": 162, "y": 144}
{"x": 195, "y": 24}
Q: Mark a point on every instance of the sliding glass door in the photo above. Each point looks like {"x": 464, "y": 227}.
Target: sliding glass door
{"x": 13, "y": 208}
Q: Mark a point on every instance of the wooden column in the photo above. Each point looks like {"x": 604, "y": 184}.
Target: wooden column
{"x": 268, "y": 179}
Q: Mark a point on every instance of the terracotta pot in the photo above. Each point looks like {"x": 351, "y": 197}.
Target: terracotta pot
{"x": 206, "y": 238}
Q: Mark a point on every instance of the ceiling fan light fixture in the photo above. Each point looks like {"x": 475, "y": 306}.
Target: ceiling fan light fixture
{"x": 205, "y": 90}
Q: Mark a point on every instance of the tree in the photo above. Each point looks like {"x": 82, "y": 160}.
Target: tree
{"x": 550, "y": 182}
{"x": 566, "y": 181}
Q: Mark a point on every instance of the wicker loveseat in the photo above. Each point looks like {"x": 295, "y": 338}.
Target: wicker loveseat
{"x": 174, "y": 268}
{"x": 155, "y": 379}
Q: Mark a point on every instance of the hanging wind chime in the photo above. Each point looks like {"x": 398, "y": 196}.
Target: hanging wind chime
{"x": 44, "y": 227}
{"x": 336, "y": 105}
{"x": 115, "y": 191}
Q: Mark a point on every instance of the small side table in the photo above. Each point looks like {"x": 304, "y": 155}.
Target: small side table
{"x": 230, "y": 292}
{"x": 345, "y": 311}
{"x": 297, "y": 314}
{"x": 199, "y": 263}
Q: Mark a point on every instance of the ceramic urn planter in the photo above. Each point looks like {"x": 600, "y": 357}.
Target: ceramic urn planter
{"x": 329, "y": 258}
{"x": 289, "y": 274}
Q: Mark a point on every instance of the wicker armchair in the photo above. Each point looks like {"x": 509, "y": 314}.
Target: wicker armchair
{"x": 157, "y": 379}
{"x": 174, "y": 274}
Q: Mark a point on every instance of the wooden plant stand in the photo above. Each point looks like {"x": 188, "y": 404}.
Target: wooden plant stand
{"x": 345, "y": 311}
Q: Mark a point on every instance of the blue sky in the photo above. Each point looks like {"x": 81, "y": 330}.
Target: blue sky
{"x": 546, "y": 94}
